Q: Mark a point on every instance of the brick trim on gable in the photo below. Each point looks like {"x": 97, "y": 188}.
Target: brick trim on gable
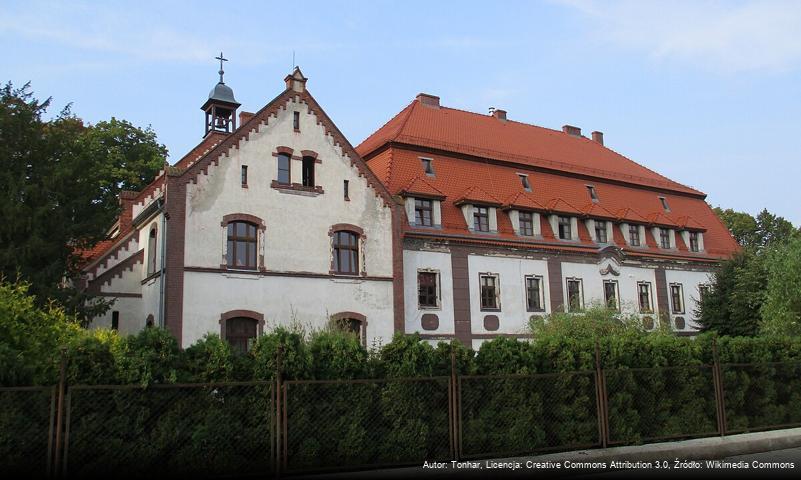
{"x": 116, "y": 271}
{"x": 175, "y": 211}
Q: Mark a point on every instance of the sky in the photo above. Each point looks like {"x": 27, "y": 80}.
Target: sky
{"x": 707, "y": 93}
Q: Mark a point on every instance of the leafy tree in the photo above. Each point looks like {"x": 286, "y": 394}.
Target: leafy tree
{"x": 756, "y": 233}
{"x": 59, "y": 181}
{"x": 781, "y": 311}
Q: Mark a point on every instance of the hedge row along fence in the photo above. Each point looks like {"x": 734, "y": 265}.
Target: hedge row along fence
{"x": 328, "y": 403}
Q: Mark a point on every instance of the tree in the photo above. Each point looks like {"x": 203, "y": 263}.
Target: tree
{"x": 58, "y": 185}
{"x": 781, "y": 311}
{"x": 757, "y": 233}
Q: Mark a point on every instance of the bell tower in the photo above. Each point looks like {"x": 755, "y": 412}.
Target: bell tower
{"x": 221, "y": 106}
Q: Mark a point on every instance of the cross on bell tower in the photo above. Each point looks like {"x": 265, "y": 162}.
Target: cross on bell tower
{"x": 221, "y": 106}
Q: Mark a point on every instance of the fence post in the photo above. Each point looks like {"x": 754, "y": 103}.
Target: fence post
{"x": 601, "y": 399}
{"x": 452, "y": 406}
{"x": 279, "y": 366}
{"x": 717, "y": 377}
{"x": 62, "y": 386}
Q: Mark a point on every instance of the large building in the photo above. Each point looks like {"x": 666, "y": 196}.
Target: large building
{"x": 445, "y": 222}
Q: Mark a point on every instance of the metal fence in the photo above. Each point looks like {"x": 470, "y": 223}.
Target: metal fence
{"x": 286, "y": 427}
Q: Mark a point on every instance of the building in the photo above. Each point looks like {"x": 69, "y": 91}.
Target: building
{"x": 449, "y": 223}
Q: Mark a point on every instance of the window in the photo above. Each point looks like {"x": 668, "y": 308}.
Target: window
{"x": 644, "y": 297}
{"x": 703, "y": 291}
{"x": 565, "y": 228}
{"x": 345, "y": 189}
{"x": 694, "y": 242}
{"x": 115, "y": 320}
{"x": 593, "y": 195}
{"x": 346, "y": 252}
{"x": 610, "y": 295}
{"x": 240, "y": 333}
{"x": 664, "y": 204}
{"x": 296, "y": 121}
{"x": 534, "y": 300}
{"x": 428, "y": 166}
{"x": 575, "y": 302}
{"x": 489, "y": 291}
{"x": 427, "y": 291}
{"x": 423, "y": 212}
{"x": 526, "y": 220}
{"x": 481, "y": 219}
{"x": 244, "y": 175}
{"x": 664, "y": 237}
{"x": 308, "y": 171}
{"x": 242, "y": 241}
{"x": 524, "y": 181}
{"x": 677, "y": 298}
{"x": 283, "y": 168}
{"x": 151, "y": 250}
{"x": 600, "y": 232}
{"x": 634, "y": 235}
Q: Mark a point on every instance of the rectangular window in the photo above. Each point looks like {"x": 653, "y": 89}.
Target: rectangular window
{"x": 610, "y": 295}
{"x": 296, "y": 121}
{"x": 526, "y": 220}
{"x": 600, "y": 232}
{"x": 677, "y": 298}
{"x": 593, "y": 194}
{"x": 308, "y": 171}
{"x": 244, "y": 175}
{"x": 663, "y": 200}
{"x": 694, "y": 242}
{"x": 664, "y": 237}
{"x": 534, "y": 298}
{"x": 423, "y": 212}
{"x": 644, "y": 297}
{"x": 489, "y": 292}
{"x": 427, "y": 291}
{"x": 345, "y": 189}
{"x": 428, "y": 166}
{"x": 115, "y": 320}
{"x": 634, "y": 235}
{"x": 703, "y": 292}
{"x": 565, "y": 232}
{"x": 524, "y": 181}
{"x": 283, "y": 168}
{"x": 575, "y": 302}
{"x": 481, "y": 219}
{"x": 346, "y": 252}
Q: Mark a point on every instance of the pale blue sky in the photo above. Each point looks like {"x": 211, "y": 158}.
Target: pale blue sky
{"x": 707, "y": 93}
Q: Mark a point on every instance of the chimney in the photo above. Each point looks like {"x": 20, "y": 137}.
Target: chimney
{"x": 499, "y": 114}
{"x": 598, "y": 137}
{"x": 296, "y": 81}
{"x": 245, "y": 116}
{"x": 428, "y": 100}
{"x": 571, "y": 130}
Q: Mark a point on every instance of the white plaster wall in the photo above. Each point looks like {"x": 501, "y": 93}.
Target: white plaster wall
{"x": 144, "y": 241}
{"x": 130, "y": 318}
{"x": 592, "y": 284}
{"x": 689, "y": 281}
{"x": 513, "y": 316}
{"x": 128, "y": 282}
{"x": 441, "y": 261}
{"x": 297, "y": 225}
{"x": 284, "y": 300}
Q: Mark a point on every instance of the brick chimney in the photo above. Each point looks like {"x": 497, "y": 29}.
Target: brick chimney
{"x": 245, "y": 116}
{"x": 428, "y": 100}
{"x": 571, "y": 130}
{"x": 499, "y": 114}
{"x": 598, "y": 137}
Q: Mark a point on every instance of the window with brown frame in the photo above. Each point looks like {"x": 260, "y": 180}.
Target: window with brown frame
{"x": 308, "y": 171}
{"x": 244, "y": 175}
{"x": 284, "y": 168}
{"x": 677, "y": 297}
{"x": 489, "y": 291}
{"x": 575, "y": 298}
{"x": 634, "y": 235}
{"x": 427, "y": 291}
{"x": 694, "y": 242}
{"x": 703, "y": 291}
{"x": 345, "y": 189}
{"x": 534, "y": 298}
{"x": 565, "y": 228}
{"x": 610, "y": 295}
{"x": 644, "y": 297}
{"x": 240, "y": 332}
{"x": 526, "y": 221}
{"x": 242, "y": 242}
{"x": 296, "y": 121}
{"x": 481, "y": 219}
{"x": 664, "y": 237}
{"x": 600, "y": 232}
{"x": 346, "y": 252}
{"x": 423, "y": 212}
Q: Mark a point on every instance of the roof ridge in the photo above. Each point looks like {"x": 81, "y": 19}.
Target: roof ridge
{"x": 408, "y": 109}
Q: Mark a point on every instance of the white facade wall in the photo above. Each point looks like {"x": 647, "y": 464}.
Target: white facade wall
{"x": 689, "y": 280}
{"x": 413, "y": 261}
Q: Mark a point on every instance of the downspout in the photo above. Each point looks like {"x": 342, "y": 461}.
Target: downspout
{"x": 162, "y": 290}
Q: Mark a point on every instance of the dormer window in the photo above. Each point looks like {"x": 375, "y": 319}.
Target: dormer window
{"x": 664, "y": 204}
{"x": 565, "y": 232}
{"x": 428, "y": 166}
{"x": 423, "y": 212}
{"x": 526, "y": 221}
{"x": 600, "y": 232}
{"x": 694, "y": 245}
{"x": 634, "y": 235}
{"x": 481, "y": 219}
{"x": 664, "y": 238}
{"x": 593, "y": 194}
{"x": 524, "y": 182}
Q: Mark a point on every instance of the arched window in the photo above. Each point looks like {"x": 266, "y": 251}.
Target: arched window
{"x": 242, "y": 242}
{"x": 346, "y": 252}
{"x": 351, "y": 322}
{"x": 151, "y": 251}
{"x": 240, "y": 332}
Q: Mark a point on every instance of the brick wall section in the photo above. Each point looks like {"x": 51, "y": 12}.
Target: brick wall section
{"x": 555, "y": 284}
{"x": 175, "y": 208}
{"x": 661, "y": 291}
{"x": 398, "y": 306}
{"x": 461, "y": 295}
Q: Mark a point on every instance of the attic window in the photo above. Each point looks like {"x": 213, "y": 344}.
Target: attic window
{"x": 428, "y": 166}
{"x": 524, "y": 181}
{"x": 593, "y": 195}
{"x": 296, "y": 121}
{"x": 664, "y": 203}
